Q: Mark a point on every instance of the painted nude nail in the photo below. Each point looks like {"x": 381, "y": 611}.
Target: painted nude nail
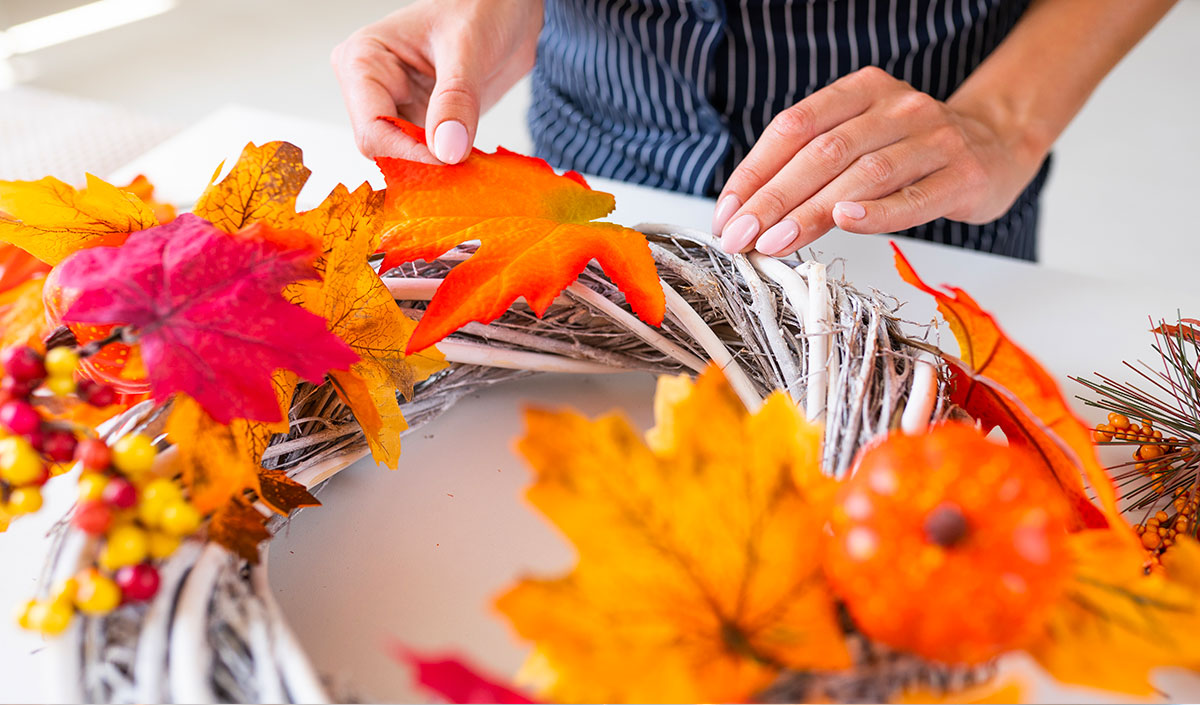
{"x": 738, "y": 234}
{"x": 778, "y": 237}
{"x": 726, "y": 207}
{"x": 850, "y": 209}
{"x": 450, "y": 142}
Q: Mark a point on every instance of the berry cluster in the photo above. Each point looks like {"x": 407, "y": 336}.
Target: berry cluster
{"x": 30, "y": 446}
{"x": 134, "y": 515}
{"x": 1153, "y": 456}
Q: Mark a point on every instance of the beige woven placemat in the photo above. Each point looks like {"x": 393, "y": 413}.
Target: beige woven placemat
{"x": 49, "y": 134}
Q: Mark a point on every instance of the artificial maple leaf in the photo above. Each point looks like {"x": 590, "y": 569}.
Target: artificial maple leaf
{"x": 260, "y": 188}
{"x": 22, "y": 316}
{"x": 51, "y": 220}
{"x": 1117, "y": 623}
{"x": 360, "y": 310}
{"x": 1187, "y": 329}
{"x": 453, "y": 680}
{"x": 536, "y": 231}
{"x": 240, "y": 528}
{"x": 18, "y": 266}
{"x": 283, "y": 494}
{"x": 143, "y": 189}
{"x": 999, "y": 384}
{"x": 208, "y": 312}
{"x": 698, "y": 576}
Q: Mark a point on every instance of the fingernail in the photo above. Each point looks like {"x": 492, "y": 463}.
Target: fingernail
{"x": 726, "y": 207}
{"x": 778, "y": 237}
{"x": 850, "y": 209}
{"x": 739, "y": 233}
{"x": 450, "y": 142}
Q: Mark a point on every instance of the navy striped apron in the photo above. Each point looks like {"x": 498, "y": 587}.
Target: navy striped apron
{"x": 672, "y": 93}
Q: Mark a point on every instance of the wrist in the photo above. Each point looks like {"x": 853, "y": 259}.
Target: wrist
{"x": 1018, "y": 128}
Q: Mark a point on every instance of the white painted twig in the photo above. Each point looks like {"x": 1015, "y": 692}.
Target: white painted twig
{"x": 788, "y": 279}
{"x": 150, "y": 660}
{"x": 263, "y": 654}
{"x": 62, "y": 656}
{"x": 411, "y": 288}
{"x": 317, "y": 473}
{"x": 299, "y": 676}
{"x": 763, "y": 307}
{"x": 189, "y": 656}
{"x": 818, "y": 326}
{"x": 488, "y": 356}
{"x": 635, "y": 325}
{"x": 922, "y": 396}
{"x": 693, "y": 323}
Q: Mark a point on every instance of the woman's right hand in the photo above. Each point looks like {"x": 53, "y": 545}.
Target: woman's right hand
{"x": 436, "y": 63}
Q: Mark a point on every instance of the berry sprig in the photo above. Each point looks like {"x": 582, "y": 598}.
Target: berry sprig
{"x": 135, "y": 515}
{"x": 32, "y": 447}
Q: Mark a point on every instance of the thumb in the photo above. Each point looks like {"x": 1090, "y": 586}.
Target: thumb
{"x": 453, "y": 114}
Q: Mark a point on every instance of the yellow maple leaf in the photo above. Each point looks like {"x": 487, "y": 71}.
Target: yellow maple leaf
{"x": 219, "y": 461}
{"x": 51, "y": 220}
{"x": 260, "y": 188}
{"x": 698, "y": 577}
{"x": 360, "y": 310}
{"x": 23, "y": 316}
{"x": 1116, "y": 624}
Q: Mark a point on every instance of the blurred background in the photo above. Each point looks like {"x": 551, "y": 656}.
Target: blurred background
{"x": 123, "y": 74}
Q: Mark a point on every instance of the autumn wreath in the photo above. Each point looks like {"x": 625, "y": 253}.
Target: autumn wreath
{"x": 199, "y": 374}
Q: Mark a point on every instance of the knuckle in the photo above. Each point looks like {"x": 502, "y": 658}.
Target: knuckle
{"x": 873, "y": 74}
{"x": 794, "y": 123}
{"x": 914, "y": 103}
{"x": 747, "y": 176}
{"x": 919, "y": 197}
{"x": 770, "y": 201}
{"x": 456, "y": 89}
{"x": 949, "y": 139}
{"x": 831, "y": 149}
{"x": 877, "y": 167}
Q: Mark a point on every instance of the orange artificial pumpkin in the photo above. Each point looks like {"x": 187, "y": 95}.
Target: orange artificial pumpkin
{"x": 948, "y": 545}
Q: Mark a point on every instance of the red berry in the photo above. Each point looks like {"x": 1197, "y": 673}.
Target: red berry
{"x": 18, "y": 389}
{"x": 20, "y": 417}
{"x": 59, "y": 445}
{"x": 92, "y": 517}
{"x": 36, "y": 438}
{"x": 101, "y": 396}
{"x": 137, "y": 582}
{"x": 93, "y": 453}
{"x": 23, "y": 363}
{"x": 120, "y": 494}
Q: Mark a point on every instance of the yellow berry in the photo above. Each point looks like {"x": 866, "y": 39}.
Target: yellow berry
{"x": 61, "y": 362}
{"x": 60, "y": 386}
{"x": 65, "y": 590}
{"x": 162, "y": 545}
{"x": 20, "y": 464}
{"x": 180, "y": 518}
{"x": 91, "y": 486}
{"x": 54, "y": 617}
{"x": 149, "y": 511}
{"x": 134, "y": 454}
{"x": 24, "y": 614}
{"x": 161, "y": 489}
{"x": 126, "y": 545}
{"x": 97, "y": 594}
{"x": 25, "y": 500}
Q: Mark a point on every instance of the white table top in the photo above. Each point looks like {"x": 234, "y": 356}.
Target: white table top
{"x": 417, "y": 554}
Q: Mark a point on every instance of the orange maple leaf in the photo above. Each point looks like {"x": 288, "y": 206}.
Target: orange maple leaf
{"x": 536, "y": 231}
{"x": 698, "y": 577}
{"x": 144, "y": 189}
{"x": 1000, "y": 384}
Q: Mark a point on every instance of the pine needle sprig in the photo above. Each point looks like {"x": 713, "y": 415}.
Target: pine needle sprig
{"x": 1163, "y": 477}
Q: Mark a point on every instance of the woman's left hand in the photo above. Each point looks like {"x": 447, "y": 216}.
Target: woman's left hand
{"x": 870, "y": 154}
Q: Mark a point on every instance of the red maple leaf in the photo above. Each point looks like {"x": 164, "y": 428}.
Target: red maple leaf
{"x": 208, "y": 311}
{"x": 455, "y": 680}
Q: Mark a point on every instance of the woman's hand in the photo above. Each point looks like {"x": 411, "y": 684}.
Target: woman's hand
{"x": 437, "y": 63}
{"x": 871, "y": 154}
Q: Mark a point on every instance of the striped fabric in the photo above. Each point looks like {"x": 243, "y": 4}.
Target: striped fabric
{"x": 672, "y": 93}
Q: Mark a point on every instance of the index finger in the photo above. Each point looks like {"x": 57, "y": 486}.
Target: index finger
{"x": 367, "y": 99}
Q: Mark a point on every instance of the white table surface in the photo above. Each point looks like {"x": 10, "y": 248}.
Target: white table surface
{"x": 417, "y": 554}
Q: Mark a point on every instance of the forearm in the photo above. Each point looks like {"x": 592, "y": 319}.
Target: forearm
{"x": 1040, "y": 76}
